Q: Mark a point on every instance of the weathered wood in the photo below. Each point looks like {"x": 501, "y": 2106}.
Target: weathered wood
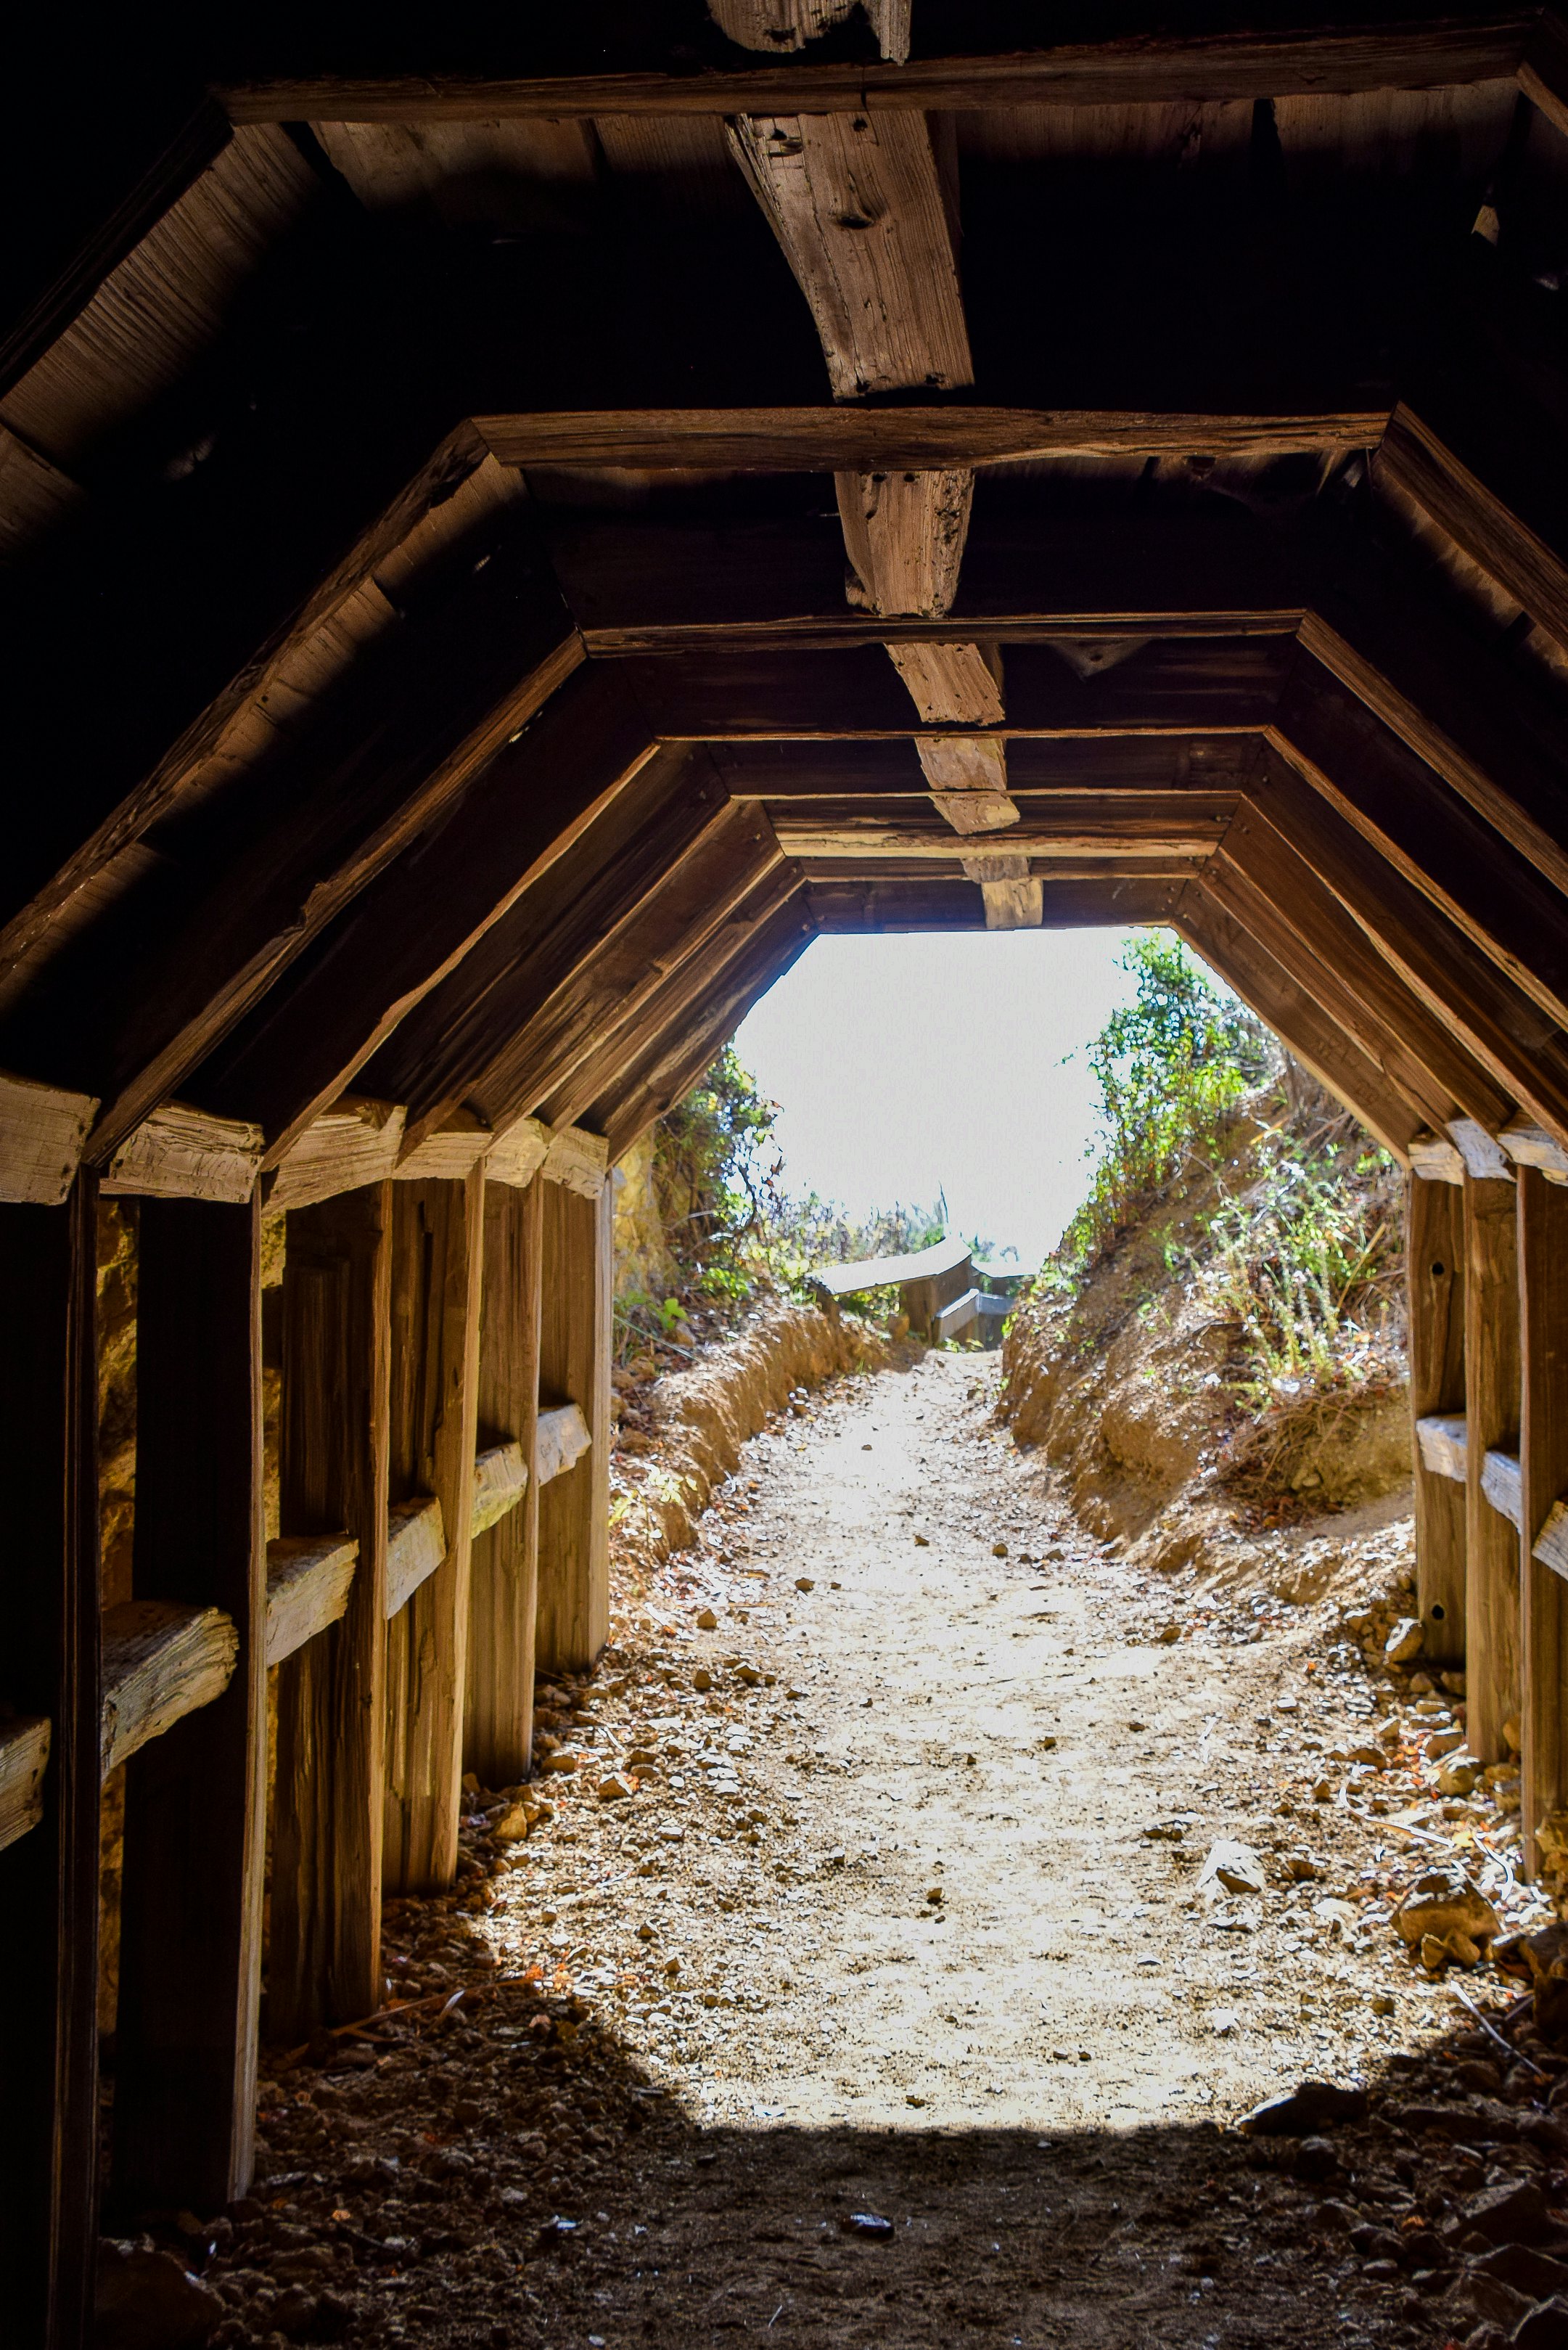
{"x": 578, "y": 1159}
{"x": 1491, "y": 1418}
{"x": 1012, "y": 905}
{"x": 773, "y": 26}
{"x": 1543, "y": 1477}
{"x": 1480, "y": 1152}
{"x": 563, "y": 1438}
{"x": 195, "y": 1811}
{"x": 498, "y": 1713}
{"x": 1529, "y": 1145}
{"x": 181, "y": 1153}
{"x": 578, "y": 1283}
{"x": 500, "y": 1482}
{"x": 307, "y": 1582}
{"x": 904, "y": 535}
{"x": 518, "y": 1152}
{"x": 1413, "y": 461}
{"x": 1434, "y": 1158}
{"x": 519, "y": 815}
{"x": 1543, "y": 68}
{"x": 856, "y": 204}
{"x": 324, "y": 1948}
{"x": 867, "y": 440}
{"x": 1500, "y": 1482}
{"x": 42, "y": 1131}
{"x": 1146, "y": 66}
{"x": 447, "y": 1155}
{"x": 437, "y": 1244}
{"x": 355, "y": 1142}
{"x": 416, "y": 1546}
{"x": 867, "y": 907}
{"x": 1442, "y": 1441}
{"x": 23, "y": 1757}
{"x": 162, "y": 1660}
{"x": 49, "y": 1877}
{"x": 968, "y": 778}
{"x": 952, "y": 1320}
{"x": 952, "y": 685}
{"x": 1181, "y": 824}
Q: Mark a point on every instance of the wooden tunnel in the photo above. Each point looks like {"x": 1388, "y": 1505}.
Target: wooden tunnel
{"x": 510, "y": 533}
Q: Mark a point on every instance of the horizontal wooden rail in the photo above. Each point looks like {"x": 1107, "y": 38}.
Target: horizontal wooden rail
{"x": 500, "y": 1482}
{"x": 308, "y": 1583}
{"x": 416, "y": 1530}
{"x": 24, "y": 1753}
{"x": 1442, "y": 1440}
{"x": 562, "y": 1440}
{"x": 949, "y": 1320}
{"x": 1502, "y": 1485}
{"x": 416, "y": 1546}
{"x": 161, "y": 1661}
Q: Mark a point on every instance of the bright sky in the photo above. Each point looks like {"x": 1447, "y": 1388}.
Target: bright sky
{"x": 907, "y": 1065}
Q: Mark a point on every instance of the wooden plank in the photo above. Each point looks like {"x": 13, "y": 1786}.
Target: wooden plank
{"x": 1148, "y": 66}
{"x": 952, "y": 685}
{"x": 161, "y": 1660}
{"x": 1529, "y": 1145}
{"x": 1543, "y": 1477}
{"x": 42, "y": 1131}
{"x": 1543, "y": 68}
{"x": 447, "y": 1155}
{"x": 865, "y": 439}
{"x": 1413, "y": 461}
{"x": 574, "y": 1364}
{"x": 195, "y": 1801}
{"x": 356, "y": 1141}
{"x": 437, "y": 1261}
{"x": 307, "y": 1582}
{"x": 323, "y": 1947}
{"x": 1491, "y": 1417}
{"x": 866, "y": 907}
{"x": 498, "y": 1713}
{"x": 578, "y": 1159}
{"x": 1274, "y": 991}
{"x": 868, "y": 780}
{"x": 500, "y": 1482}
{"x": 1498, "y": 1025}
{"x": 23, "y": 1758}
{"x": 1434, "y": 1158}
{"x": 49, "y": 1877}
{"x": 563, "y": 1438}
{"x": 1434, "y": 1352}
{"x": 951, "y": 1320}
{"x": 1501, "y": 1486}
{"x": 518, "y": 1152}
{"x": 856, "y": 204}
{"x": 416, "y": 1546}
{"x": 405, "y": 931}
{"x": 1178, "y": 825}
{"x": 1480, "y": 1152}
{"x": 181, "y": 1153}
{"x": 533, "y": 951}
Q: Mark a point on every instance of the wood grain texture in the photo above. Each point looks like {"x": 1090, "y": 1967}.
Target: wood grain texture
{"x": 1491, "y": 1420}
{"x": 416, "y": 1546}
{"x": 904, "y": 534}
{"x": 1434, "y": 1159}
{"x": 438, "y": 1259}
{"x": 1442, "y": 1442}
{"x": 307, "y": 1582}
{"x": 498, "y": 1713}
{"x": 574, "y": 1367}
{"x": 1434, "y": 1275}
{"x": 357, "y": 1141}
{"x": 952, "y": 685}
{"x": 1529, "y": 1145}
{"x": 195, "y": 1815}
{"x": 577, "y": 1158}
{"x": 161, "y": 1660}
{"x": 23, "y": 1758}
{"x": 1544, "y": 1479}
{"x": 42, "y": 1131}
{"x": 181, "y": 1153}
{"x": 324, "y": 1950}
{"x": 500, "y": 1482}
{"x": 49, "y": 1877}
{"x": 1412, "y": 459}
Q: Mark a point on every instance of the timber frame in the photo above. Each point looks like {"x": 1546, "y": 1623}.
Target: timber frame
{"x": 505, "y": 546}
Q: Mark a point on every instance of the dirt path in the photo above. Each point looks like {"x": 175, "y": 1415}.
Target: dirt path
{"x": 902, "y": 1920}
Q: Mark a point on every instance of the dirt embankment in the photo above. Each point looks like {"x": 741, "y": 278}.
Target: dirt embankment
{"x": 1139, "y": 1387}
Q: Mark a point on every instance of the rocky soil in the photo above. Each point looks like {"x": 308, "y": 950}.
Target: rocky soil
{"x": 896, "y": 1930}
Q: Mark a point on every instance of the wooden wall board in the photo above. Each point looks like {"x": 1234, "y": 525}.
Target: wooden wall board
{"x": 1544, "y": 1479}
{"x": 43, "y": 1129}
{"x": 406, "y": 931}
{"x": 576, "y": 1285}
{"x": 438, "y": 1237}
{"x": 498, "y": 1713}
{"x": 324, "y": 1948}
{"x": 49, "y": 1877}
{"x": 1492, "y": 1418}
{"x": 195, "y": 1817}
{"x": 1434, "y": 1272}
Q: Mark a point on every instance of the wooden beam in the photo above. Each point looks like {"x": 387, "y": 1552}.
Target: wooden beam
{"x": 1175, "y": 825}
{"x": 357, "y": 1141}
{"x": 1543, "y": 68}
{"x": 528, "y": 957}
{"x": 885, "y": 779}
{"x": 43, "y": 1129}
{"x": 578, "y": 1159}
{"x": 1529, "y": 1145}
{"x": 49, "y": 1877}
{"x": 324, "y": 1961}
{"x": 500, "y": 1483}
{"x": 1491, "y": 1418}
{"x": 869, "y": 906}
{"x": 1433, "y": 1157}
{"x": 23, "y": 1758}
{"x": 308, "y": 1578}
{"x": 1494, "y": 1021}
{"x": 195, "y": 1817}
{"x": 519, "y": 815}
{"x": 1273, "y": 989}
{"x": 161, "y": 1660}
{"x": 180, "y": 1153}
{"x": 416, "y": 1546}
{"x": 1146, "y": 66}
{"x": 1434, "y": 1275}
{"x": 498, "y": 1713}
{"x": 577, "y": 1285}
{"x": 931, "y": 440}
{"x": 1543, "y": 1477}
{"x": 438, "y": 1236}
{"x": 1413, "y": 461}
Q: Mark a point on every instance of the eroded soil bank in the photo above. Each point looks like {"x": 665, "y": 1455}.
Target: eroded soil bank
{"x": 888, "y": 2007}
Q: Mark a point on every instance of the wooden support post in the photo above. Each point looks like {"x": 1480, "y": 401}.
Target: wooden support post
{"x": 1543, "y": 1478}
{"x": 438, "y": 1237}
{"x": 1491, "y": 1414}
{"x": 48, "y": 1877}
{"x": 574, "y": 1368}
{"x": 1435, "y": 1273}
{"x": 324, "y": 1939}
{"x": 498, "y": 1733}
{"x": 195, "y": 1820}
